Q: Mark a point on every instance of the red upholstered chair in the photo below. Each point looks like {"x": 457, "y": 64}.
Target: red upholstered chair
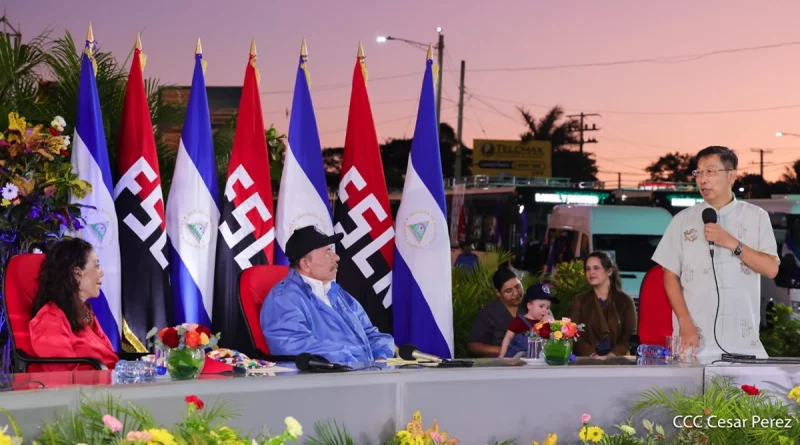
{"x": 254, "y": 285}
{"x": 655, "y": 312}
{"x": 19, "y": 290}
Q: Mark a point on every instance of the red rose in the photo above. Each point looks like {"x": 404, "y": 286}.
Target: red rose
{"x": 53, "y": 131}
{"x": 169, "y": 336}
{"x": 194, "y": 400}
{"x": 545, "y": 331}
{"x": 204, "y": 330}
{"x": 64, "y": 152}
{"x": 750, "y": 389}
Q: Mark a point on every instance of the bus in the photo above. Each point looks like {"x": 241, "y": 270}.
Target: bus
{"x": 629, "y": 234}
{"x": 784, "y": 214}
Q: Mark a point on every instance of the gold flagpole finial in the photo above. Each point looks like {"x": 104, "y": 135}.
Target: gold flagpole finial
{"x": 304, "y": 48}
{"x": 253, "y": 47}
{"x": 138, "y": 42}
{"x": 360, "y": 50}
{"x": 430, "y": 52}
{"x": 90, "y": 34}
{"x": 199, "y": 48}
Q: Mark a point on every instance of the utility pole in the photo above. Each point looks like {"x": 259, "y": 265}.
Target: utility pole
{"x": 440, "y": 50}
{"x": 619, "y": 180}
{"x": 457, "y": 173}
{"x": 583, "y": 128}
{"x": 761, "y": 152}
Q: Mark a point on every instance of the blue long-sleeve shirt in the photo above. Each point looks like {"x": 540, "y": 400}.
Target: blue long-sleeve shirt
{"x": 295, "y": 321}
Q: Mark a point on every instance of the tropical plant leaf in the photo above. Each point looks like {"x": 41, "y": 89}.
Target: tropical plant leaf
{"x": 329, "y": 433}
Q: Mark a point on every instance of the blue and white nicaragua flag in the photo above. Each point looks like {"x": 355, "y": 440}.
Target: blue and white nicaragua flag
{"x": 421, "y": 285}
{"x": 90, "y": 162}
{"x": 303, "y": 196}
{"x": 193, "y": 209}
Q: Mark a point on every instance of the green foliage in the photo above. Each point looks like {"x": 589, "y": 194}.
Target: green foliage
{"x": 724, "y": 400}
{"x": 568, "y": 280}
{"x": 329, "y": 433}
{"x": 86, "y": 424}
{"x": 783, "y": 338}
{"x": 472, "y": 290}
{"x": 201, "y": 425}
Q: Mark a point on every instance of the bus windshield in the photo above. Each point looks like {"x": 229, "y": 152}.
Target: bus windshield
{"x": 632, "y": 253}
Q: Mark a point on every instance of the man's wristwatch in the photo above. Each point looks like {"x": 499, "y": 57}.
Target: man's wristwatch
{"x": 738, "y": 250}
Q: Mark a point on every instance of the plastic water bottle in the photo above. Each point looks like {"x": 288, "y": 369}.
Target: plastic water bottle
{"x": 653, "y": 351}
{"x": 134, "y": 372}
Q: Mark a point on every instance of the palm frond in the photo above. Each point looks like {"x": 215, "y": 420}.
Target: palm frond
{"x": 329, "y": 433}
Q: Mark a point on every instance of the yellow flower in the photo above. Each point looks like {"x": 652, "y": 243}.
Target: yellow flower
{"x": 160, "y": 437}
{"x": 15, "y": 122}
{"x": 5, "y": 440}
{"x": 6, "y": 203}
{"x": 203, "y": 339}
{"x": 592, "y": 433}
{"x": 558, "y": 335}
{"x": 417, "y": 416}
{"x": 551, "y": 439}
{"x": 293, "y": 427}
{"x": 794, "y": 394}
{"x": 627, "y": 429}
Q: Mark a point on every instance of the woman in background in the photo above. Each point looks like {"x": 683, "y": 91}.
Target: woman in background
{"x": 63, "y": 324}
{"x": 609, "y": 315}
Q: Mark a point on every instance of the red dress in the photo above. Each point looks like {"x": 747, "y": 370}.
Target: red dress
{"x": 52, "y": 336}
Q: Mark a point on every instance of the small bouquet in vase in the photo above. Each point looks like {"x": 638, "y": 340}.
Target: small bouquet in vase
{"x": 558, "y": 336}
{"x": 186, "y": 344}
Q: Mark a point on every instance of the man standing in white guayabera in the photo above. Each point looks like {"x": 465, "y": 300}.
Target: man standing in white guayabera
{"x": 719, "y": 243}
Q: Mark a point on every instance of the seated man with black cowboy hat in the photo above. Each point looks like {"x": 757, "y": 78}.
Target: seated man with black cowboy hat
{"x": 308, "y": 312}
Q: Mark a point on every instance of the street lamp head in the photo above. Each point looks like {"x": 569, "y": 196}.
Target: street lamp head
{"x": 779, "y": 134}
{"x": 381, "y": 39}
{"x": 439, "y": 29}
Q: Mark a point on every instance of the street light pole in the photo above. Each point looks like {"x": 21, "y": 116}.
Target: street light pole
{"x": 440, "y": 51}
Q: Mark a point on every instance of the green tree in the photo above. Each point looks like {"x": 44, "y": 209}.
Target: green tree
{"x": 560, "y": 132}
{"x": 675, "y": 167}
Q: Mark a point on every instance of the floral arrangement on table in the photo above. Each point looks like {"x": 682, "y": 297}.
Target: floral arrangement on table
{"x": 36, "y": 181}
{"x": 108, "y": 421}
{"x": 415, "y": 434}
{"x": 185, "y": 346}
{"x": 558, "y": 336}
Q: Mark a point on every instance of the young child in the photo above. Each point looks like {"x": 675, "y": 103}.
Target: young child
{"x": 535, "y": 306}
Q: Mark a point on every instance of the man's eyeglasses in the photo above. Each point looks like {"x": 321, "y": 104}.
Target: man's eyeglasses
{"x": 710, "y": 172}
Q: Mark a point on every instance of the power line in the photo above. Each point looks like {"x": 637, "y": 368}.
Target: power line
{"x": 656, "y": 60}
{"x": 336, "y": 107}
{"x": 653, "y": 113}
{"x": 379, "y": 123}
{"x": 336, "y": 86}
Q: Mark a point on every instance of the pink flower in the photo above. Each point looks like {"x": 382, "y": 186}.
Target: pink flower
{"x": 436, "y": 437}
{"x": 139, "y": 435}
{"x": 112, "y": 423}
{"x": 567, "y": 320}
{"x": 586, "y": 418}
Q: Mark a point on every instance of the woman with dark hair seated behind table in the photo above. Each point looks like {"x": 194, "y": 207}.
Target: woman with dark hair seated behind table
{"x": 608, "y": 314}
{"x": 63, "y": 324}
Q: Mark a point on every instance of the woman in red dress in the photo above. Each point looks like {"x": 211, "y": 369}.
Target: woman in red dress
{"x": 63, "y": 324}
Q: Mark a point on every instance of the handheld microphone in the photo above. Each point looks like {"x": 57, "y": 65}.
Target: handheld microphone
{"x": 410, "y": 352}
{"x": 317, "y": 363}
{"x": 710, "y": 216}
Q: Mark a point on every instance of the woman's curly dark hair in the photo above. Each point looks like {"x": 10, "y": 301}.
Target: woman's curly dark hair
{"x": 57, "y": 281}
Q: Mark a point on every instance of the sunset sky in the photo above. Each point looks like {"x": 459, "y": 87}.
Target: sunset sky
{"x": 648, "y": 109}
